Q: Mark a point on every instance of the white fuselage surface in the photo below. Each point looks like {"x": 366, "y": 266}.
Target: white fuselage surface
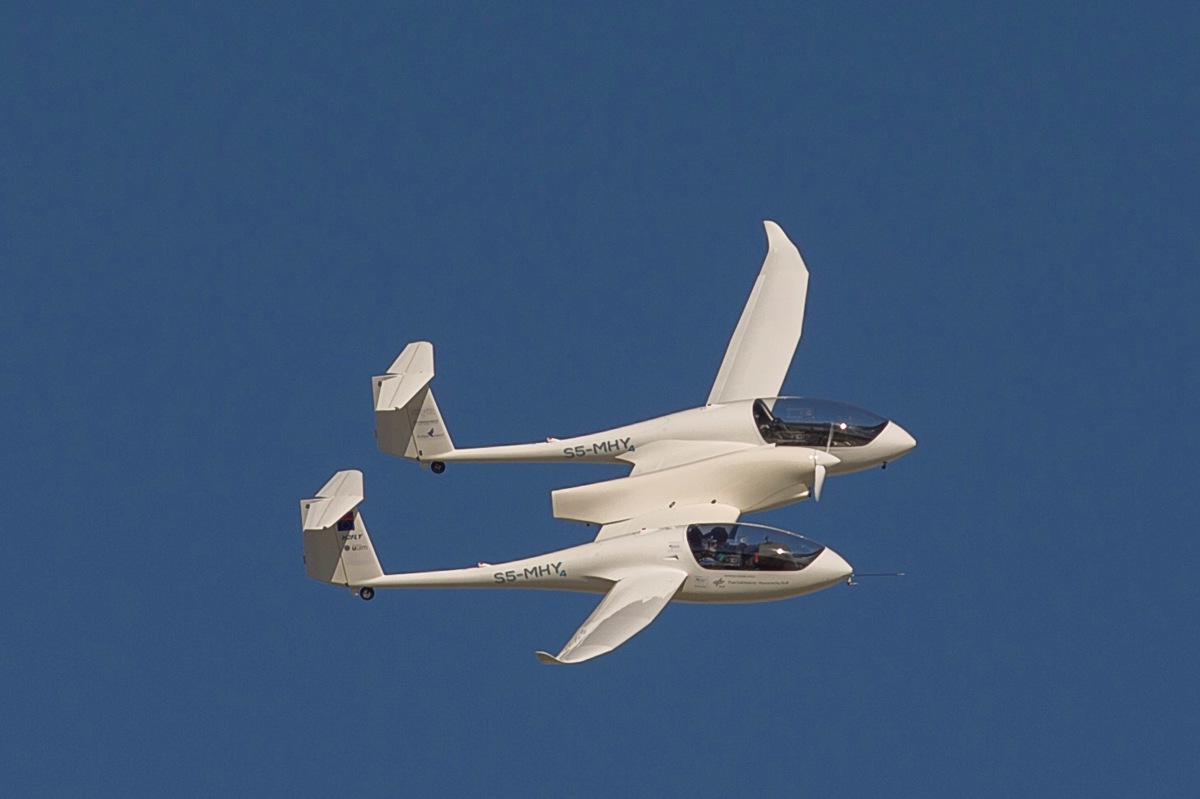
{"x": 731, "y": 575}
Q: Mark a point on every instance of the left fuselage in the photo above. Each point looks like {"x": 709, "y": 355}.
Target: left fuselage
{"x": 750, "y": 563}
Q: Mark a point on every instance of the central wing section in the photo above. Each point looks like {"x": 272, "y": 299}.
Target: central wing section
{"x": 766, "y": 336}
{"x": 752, "y": 479}
{"x": 631, "y": 604}
{"x": 658, "y": 455}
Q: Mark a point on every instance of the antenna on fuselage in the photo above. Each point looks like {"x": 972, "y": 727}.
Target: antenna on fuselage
{"x": 850, "y": 579}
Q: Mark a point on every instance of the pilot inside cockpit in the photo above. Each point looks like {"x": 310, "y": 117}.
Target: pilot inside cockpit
{"x": 706, "y": 545}
{"x": 750, "y": 547}
{"x": 716, "y": 538}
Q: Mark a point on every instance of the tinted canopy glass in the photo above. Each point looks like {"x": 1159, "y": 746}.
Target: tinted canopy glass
{"x": 808, "y": 422}
{"x": 750, "y": 547}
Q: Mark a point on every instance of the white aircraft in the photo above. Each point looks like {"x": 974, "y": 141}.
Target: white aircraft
{"x": 745, "y": 450}
{"x": 638, "y": 573}
{"x": 670, "y": 529}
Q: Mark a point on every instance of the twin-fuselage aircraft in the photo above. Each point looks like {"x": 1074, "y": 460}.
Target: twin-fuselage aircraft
{"x": 670, "y": 529}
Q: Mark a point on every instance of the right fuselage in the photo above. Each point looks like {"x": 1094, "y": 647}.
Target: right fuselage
{"x": 858, "y": 439}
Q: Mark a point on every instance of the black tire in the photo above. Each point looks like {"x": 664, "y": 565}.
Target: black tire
{"x": 437, "y": 467}
{"x": 367, "y": 593}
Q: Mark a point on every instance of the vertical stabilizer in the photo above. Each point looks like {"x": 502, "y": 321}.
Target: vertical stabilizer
{"x": 337, "y": 548}
{"x": 408, "y": 423}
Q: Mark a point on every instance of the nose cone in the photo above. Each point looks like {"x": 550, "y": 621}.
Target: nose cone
{"x": 893, "y": 441}
{"x": 829, "y": 568}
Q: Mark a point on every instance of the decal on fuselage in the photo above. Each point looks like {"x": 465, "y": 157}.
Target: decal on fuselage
{"x": 531, "y": 573}
{"x": 613, "y": 446}
{"x": 738, "y": 580}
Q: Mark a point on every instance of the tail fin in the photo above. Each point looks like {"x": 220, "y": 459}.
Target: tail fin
{"x": 337, "y": 548}
{"x": 408, "y": 423}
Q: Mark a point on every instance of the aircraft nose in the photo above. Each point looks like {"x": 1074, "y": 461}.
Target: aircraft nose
{"x": 894, "y": 440}
{"x": 829, "y": 568}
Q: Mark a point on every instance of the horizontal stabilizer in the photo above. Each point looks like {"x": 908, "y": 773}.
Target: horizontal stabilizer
{"x": 409, "y": 373}
{"x": 631, "y": 604}
{"x": 334, "y": 500}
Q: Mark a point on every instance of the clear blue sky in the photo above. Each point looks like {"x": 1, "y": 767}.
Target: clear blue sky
{"x": 217, "y": 223}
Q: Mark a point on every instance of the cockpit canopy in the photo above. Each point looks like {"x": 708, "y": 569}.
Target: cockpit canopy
{"x": 750, "y": 547}
{"x": 807, "y": 422}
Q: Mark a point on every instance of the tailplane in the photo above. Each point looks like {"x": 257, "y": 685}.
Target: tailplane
{"x": 408, "y": 423}
{"x": 337, "y": 548}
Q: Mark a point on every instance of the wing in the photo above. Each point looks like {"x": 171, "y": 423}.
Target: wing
{"x": 767, "y": 334}
{"x": 631, "y": 604}
{"x": 752, "y": 479}
{"x": 666, "y": 453}
{"x": 676, "y": 516}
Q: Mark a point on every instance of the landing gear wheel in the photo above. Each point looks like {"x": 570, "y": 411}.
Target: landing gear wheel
{"x": 367, "y": 593}
{"x": 437, "y": 467}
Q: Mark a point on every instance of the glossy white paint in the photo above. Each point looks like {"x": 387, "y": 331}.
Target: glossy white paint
{"x": 768, "y": 331}
{"x": 714, "y": 453}
{"x": 638, "y": 571}
{"x": 745, "y": 450}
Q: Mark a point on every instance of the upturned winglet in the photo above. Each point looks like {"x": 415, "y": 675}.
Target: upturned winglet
{"x": 768, "y": 331}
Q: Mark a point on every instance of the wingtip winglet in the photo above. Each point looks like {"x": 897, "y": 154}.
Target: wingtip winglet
{"x": 546, "y": 657}
{"x": 778, "y": 241}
